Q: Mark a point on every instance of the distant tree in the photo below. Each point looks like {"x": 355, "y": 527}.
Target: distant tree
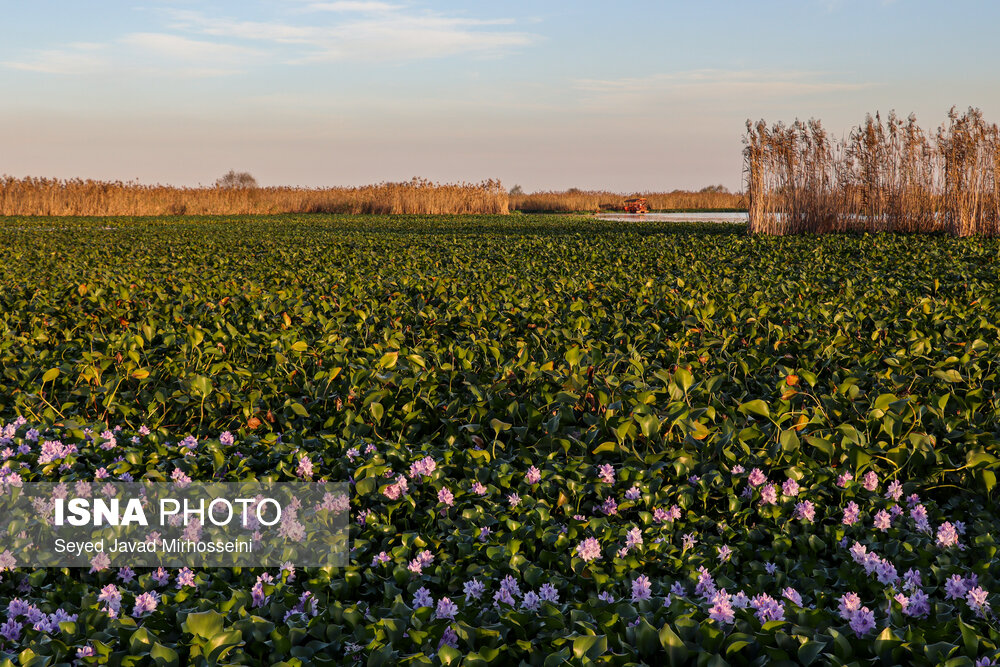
{"x": 236, "y": 179}
{"x": 716, "y": 189}
{"x": 574, "y": 191}
{"x": 516, "y": 190}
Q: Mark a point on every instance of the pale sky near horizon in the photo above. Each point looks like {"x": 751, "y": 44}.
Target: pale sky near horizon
{"x": 626, "y": 96}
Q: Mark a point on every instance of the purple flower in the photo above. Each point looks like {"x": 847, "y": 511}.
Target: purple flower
{"x": 484, "y": 532}
{"x": 849, "y": 603}
{"x": 844, "y": 479}
{"x": 112, "y": 599}
{"x": 919, "y": 516}
{"x": 895, "y": 490}
{"x": 478, "y": 489}
{"x": 548, "y": 593}
{"x": 610, "y": 506}
{"x": 145, "y": 604}
{"x": 185, "y": 577}
{"x": 474, "y": 589}
{"x": 919, "y": 605}
{"x": 883, "y": 521}
{"x": 514, "y": 500}
{"x": 383, "y": 557}
{"x": 767, "y": 608}
{"x": 606, "y": 472}
{"x": 11, "y": 630}
{"x": 947, "y": 536}
{"x": 955, "y": 587}
{"x": 533, "y": 476}
{"x": 792, "y": 596}
{"x": 862, "y": 621}
{"x": 226, "y": 439}
{"x": 634, "y": 538}
{"x": 530, "y": 601}
{"x": 805, "y": 510}
{"x": 722, "y": 609}
{"x": 725, "y": 553}
{"x": 771, "y": 568}
{"x": 768, "y": 495}
{"x": 633, "y": 494}
{"x": 790, "y": 488}
{"x": 422, "y": 598}
{"x": 446, "y": 609}
{"x": 689, "y": 541}
{"x": 641, "y": 588}
{"x": 976, "y": 597}
{"x": 757, "y": 477}
{"x": 446, "y": 497}
{"x": 589, "y": 549}
{"x": 870, "y": 480}
{"x": 305, "y": 467}
{"x": 161, "y": 576}
{"x": 851, "y": 513}
{"x": 85, "y": 652}
{"x": 448, "y": 638}
{"x": 706, "y": 585}
{"x": 424, "y": 467}
{"x": 737, "y": 469}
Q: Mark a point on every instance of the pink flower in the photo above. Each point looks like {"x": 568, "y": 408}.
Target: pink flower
{"x": 947, "y": 536}
{"x": 851, "y": 513}
{"x": 641, "y": 588}
{"x": 607, "y": 473}
{"x": 849, "y": 603}
{"x": 870, "y": 480}
{"x": 756, "y": 477}
{"x": 805, "y": 511}
{"x": 895, "y": 490}
{"x": 768, "y": 495}
{"x": 862, "y": 622}
{"x": 589, "y": 549}
{"x": 790, "y": 488}
{"x": 446, "y": 609}
{"x": 842, "y": 480}
{"x": 722, "y": 609}
{"x": 533, "y": 476}
{"x": 883, "y": 521}
{"x": 446, "y": 497}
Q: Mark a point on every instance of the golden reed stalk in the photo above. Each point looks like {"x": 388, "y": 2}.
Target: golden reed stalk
{"x": 41, "y": 196}
{"x": 885, "y": 177}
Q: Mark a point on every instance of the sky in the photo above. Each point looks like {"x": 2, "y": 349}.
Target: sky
{"x": 547, "y": 94}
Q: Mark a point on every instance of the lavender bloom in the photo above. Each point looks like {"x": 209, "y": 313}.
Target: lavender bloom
{"x": 641, "y": 588}
{"x": 756, "y": 477}
{"x": 870, "y": 480}
{"x": 533, "y": 476}
{"x": 689, "y": 541}
{"x": 424, "y": 467}
{"x": 634, "y": 538}
{"x": 955, "y": 587}
{"x": 947, "y": 536}
{"x": 514, "y": 500}
{"x": 446, "y": 497}
{"x": 844, "y": 479}
{"x": 474, "y": 589}
{"x": 883, "y": 521}
{"x": 725, "y": 553}
{"x": 161, "y": 576}
{"x": 448, "y": 638}
{"x": 790, "y": 488}
{"x": 610, "y": 507}
{"x": 112, "y": 598}
{"x": 678, "y": 589}
{"x": 792, "y": 596}
{"x": 11, "y": 630}
{"x": 805, "y": 511}
{"x": 895, "y": 490}
{"x": 722, "y": 609}
{"x": 919, "y": 605}
{"x": 919, "y": 516}
{"x": 589, "y": 549}
{"x": 548, "y": 593}
{"x": 737, "y": 469}
{"x": 185, "y": 577}
{"x": 422, "y": 598}
{"x": 849, "y": 603}
{"x": 768, "y": 495}
{"x": 305, "y": 467}
{"x": 605, "y": 596}
{"x": 478, "y": 489}
{"x": 446, "y": 609}
{"x": 851, "y": 513}
{"x": 226, "y": 439}
{"x": 706, "y": 585}
{"x": 633, "y": 494}
{"x": 976, "y": 598}
{"x": 126, "y": 575}
{"x": 145, "y": 604}
{"x": 383, "y": 557}
{"x": 911, "y": 580}
{"x": 771, "y": 568}
{"x": 862, "y": 622}
{"x": 767, "y": 608}
{"x": 530, "y": 601}
{"x": 607, "y": 473}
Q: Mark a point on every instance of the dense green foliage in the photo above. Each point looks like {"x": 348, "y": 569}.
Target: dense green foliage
{"x": 673, "y": 352}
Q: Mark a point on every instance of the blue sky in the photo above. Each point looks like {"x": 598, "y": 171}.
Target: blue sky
{"x": 547, "y": 94}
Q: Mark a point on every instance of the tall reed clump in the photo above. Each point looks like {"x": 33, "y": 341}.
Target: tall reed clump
{"x": 40, "y": 196}
{"x": 886, "y": 176}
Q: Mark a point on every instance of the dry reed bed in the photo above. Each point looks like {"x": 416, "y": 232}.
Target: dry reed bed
{"x": 593, "y": 200}
{"x": 884, "y": 177}
{"x": 40, "y": 196}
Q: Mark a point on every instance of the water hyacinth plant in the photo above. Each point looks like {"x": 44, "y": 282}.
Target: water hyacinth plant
{"x": 628, "y": 458}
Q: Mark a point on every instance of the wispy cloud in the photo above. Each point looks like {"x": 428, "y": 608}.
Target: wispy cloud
{"x": 395, "y": 34}
{"x": 353, "y": 6}
{"x": 76, "y": 58}
{"x": 177, "y": 47}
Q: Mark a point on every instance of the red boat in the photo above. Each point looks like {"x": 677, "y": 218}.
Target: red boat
{"x": 636, "y": 205}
